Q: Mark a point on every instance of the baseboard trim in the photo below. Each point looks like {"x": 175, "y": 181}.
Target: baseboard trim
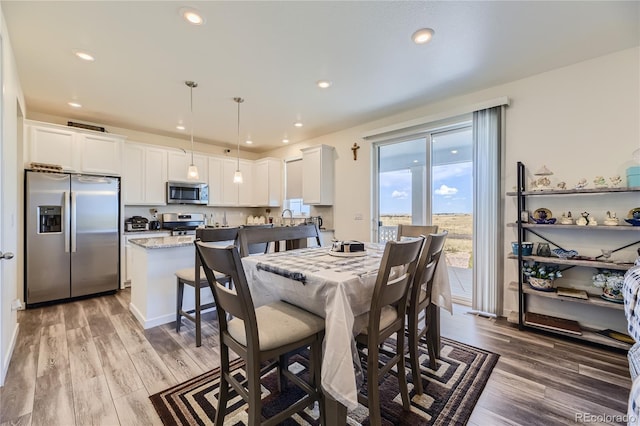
{"x": 7, "y": 358}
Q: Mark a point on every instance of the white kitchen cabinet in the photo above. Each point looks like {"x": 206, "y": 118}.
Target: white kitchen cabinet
{"x": 53, "y": 145}
{"x": 215, "y": 181}
{"x": 245, "y": 189}
{"x": 267, "y": 182}
{"x": 178, "y": 164}
{"x": 101, "y": 154}
{"x": 229, "y": 189}
{"x": 317, "y": 175}
{"x": 74, "y": 150}
{"x": 145, "y": 175}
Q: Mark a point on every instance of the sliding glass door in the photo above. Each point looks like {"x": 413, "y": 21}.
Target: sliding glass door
{"x": 427, "y": 179}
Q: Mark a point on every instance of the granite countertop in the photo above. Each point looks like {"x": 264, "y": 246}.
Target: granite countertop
{"x": 164, "y": 242}
{"x": 150, "y": 231}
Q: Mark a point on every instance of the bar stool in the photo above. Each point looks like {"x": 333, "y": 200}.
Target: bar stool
{"x": 191, "y": 276}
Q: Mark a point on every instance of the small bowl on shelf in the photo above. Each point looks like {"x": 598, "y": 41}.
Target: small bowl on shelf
{"x": 634, "y": 222}
{"x": 527, "y": 248}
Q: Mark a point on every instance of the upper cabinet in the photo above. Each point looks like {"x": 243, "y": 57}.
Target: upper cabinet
{"x": 317, "y": 175}
{"x": 178, "y": 165}
{"x": 74, "y": 150}
{"x": 267, "y": 182}
{"x": 145, "y": 175}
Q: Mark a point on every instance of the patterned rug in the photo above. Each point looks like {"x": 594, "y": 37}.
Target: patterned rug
{"x": 450, "y": 393}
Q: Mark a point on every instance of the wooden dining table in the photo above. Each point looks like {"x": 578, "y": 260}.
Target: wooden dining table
{"x": 337, "y": 287}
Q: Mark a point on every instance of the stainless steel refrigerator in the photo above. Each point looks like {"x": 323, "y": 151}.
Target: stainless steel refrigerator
{"x": 71, "y": 236}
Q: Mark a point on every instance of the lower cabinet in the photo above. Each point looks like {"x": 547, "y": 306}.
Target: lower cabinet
{"x": 125, "y": 269}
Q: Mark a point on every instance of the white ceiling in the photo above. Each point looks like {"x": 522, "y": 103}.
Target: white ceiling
{"x": 272, "y": 53}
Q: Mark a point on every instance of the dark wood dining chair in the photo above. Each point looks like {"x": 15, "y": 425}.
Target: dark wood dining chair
{"x": 419, "y": 301}
{"x": 260, "y": 336}
{"x": 386, "y": 317}
{"x": 191, "y": 276}
{"x": 294, "y": 237}
{"x": 415, "y": 231}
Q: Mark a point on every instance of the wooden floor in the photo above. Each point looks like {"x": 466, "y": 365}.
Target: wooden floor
{"x": 90, "y": 362}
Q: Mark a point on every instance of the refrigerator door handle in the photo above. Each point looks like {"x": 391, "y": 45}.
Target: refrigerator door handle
{"x": 66, "y": 221}
{"x": 73, "y": 221}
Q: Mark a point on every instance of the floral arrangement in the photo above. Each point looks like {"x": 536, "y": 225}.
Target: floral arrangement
{"x": 606, "y": 278}
{"x": 539, "y": 270}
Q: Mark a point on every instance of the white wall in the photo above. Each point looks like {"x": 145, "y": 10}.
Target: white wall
{"x": 581, "y": 121}
{"x": 11, "y": 197}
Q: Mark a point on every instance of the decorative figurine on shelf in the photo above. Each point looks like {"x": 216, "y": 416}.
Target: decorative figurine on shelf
{"x": 600, "y": 182}
{"x": 615, "y": 181}
{"x": 611, "y": 219}
{"x": 591, "y": 221}
{"x": 583, "y": 220}
{"x": 561, "y": 185}
{"x": 566, "y": 219}
{"x": 542, "y": 182}
{"x": 582, "y": 183}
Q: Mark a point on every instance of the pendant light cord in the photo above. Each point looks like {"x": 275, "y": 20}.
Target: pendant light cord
{"x": 192, "y": 120}
{"x": 238, "y": 100}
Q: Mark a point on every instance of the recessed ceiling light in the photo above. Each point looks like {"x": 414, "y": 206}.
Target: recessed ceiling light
{"x": 192, "y": 16}
{"x": 415, "y": 161}
{"x": 84, "y": 55}
{"x": 75, "y": 105}
{"x": 323, "y": 84}
{"x": 422, "y": 36}
{"x": 248, "y": 142}
{"x": 180, "y": 127}
{"x": 285, "y": 140}
{"x": 454, "y": 151}
{"x": 298, "y": 124}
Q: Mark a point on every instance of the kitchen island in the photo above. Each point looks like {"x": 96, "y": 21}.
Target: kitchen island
{"x": 153, "y": 280}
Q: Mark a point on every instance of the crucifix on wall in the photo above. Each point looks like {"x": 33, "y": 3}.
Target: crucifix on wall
{"x": 355, "y": 149}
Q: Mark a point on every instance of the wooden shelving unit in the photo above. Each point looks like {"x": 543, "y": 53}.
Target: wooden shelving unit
{"x": 593, "y": 300}
{"x": 588, "y": 335}
{"x": 542, "y": 231}
{"x": 576, "y": 262}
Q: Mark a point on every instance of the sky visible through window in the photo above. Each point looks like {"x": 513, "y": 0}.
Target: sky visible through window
{"x": 452, "y": 190}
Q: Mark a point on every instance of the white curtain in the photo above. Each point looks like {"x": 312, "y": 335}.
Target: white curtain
{"x": 488, "y": 125}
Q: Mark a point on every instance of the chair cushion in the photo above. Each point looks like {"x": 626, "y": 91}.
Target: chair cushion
{"x": 188, "y": 275}
{"x": 388, "y": 314}
{"x": 279, "y": 324}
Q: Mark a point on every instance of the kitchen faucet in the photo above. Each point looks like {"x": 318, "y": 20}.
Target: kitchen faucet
{"x": 290, "y": 216}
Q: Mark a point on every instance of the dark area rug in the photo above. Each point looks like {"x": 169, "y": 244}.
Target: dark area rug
{"x": 450, "y": 393}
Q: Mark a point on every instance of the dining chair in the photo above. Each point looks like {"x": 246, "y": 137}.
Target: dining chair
{"x": 259, "y": 335}
{"x": 257, "y": 248}
{"x": 419, "y": 301}
{"x": 191, "y": 276}
{"x": 294, "y": 237}
{"x": 386, "y": 317}
{"x": 415, "y": 231}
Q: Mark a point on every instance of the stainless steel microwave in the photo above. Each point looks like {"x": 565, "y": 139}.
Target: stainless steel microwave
{"x": 187, "y": 193}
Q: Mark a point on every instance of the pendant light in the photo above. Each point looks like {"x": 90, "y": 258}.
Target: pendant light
{"x": 192, "y": 173}
{"x": 237, "y": 176}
